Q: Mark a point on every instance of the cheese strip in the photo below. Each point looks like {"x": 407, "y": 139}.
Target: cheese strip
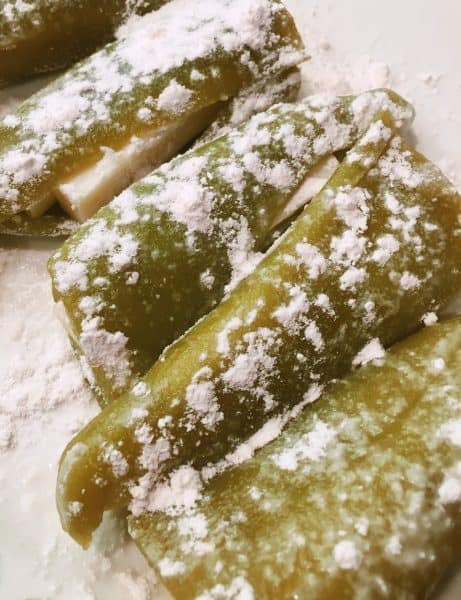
{"x": 37, "y": 36}
{"x": 378, "y": 248}
{"x": 82, "y": 195}
{"x": 360, "y": 497}
{"x": 310, "y": 187}
{"x": 165, "y": 67}
{"x": 165, "y": 252}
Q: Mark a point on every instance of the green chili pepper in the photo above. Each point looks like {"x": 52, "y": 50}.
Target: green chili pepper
{"x": 254, "y": 99}
{"x": 376, "y": 249}
{"x": 360, "y": 497}
{"x": 54, "y": 223}
{"x": 184, "y": 235}
{"x": 37, "y": 36}
{"x": 136, "y": 102}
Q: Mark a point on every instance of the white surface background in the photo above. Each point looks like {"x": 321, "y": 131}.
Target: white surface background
{"x": 413, "y": 46}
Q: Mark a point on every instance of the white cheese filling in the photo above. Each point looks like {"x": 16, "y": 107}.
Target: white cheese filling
{"x": 83, "y": 194}
{"x": 310, "y": 187}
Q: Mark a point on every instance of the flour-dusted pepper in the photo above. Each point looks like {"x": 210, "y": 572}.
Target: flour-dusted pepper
{"x": 376, "y": 249}
{"x": 163, "y": 254}
{"x": 360, "y": 497}
{"x": 136, "y": 102}
{"x": 257, "y": 97}
{"x": 37, "y": 36}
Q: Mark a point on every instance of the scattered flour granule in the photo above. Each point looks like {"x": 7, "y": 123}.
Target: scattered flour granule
{"x": 43, "y": 403}
{"x": 43, "y": 400}
{"x": 347, "y": 555}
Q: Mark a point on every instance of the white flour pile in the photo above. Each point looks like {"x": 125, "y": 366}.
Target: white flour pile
{"x": 43, "y": 403}
{"x": 43, "y": 400}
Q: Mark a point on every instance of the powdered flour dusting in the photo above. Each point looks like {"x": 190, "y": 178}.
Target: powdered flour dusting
{"x": 43, "y": 400}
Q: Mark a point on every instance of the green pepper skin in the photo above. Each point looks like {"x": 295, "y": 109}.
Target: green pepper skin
{"x": 46, "y": 35}
{"x": 122, "y": 317}
{"x": 333, "y": 283}
{"x": 133, "y": 86}
{"x": 360, "y": 497}
{"x": 258, "y": 97}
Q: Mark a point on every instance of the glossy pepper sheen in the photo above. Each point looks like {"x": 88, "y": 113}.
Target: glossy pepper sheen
{"x": 185, "y": 232}
{"x": 251, "y": 100}
{"x": 376, "y": 249}
{"x": 133, "y": 87}
{"x": 38, "y": 36}
{"x": 360, "y": 497}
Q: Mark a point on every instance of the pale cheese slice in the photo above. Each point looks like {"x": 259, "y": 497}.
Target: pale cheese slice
{"x": 84, "y": 193}
{"x": 310, "y": 187}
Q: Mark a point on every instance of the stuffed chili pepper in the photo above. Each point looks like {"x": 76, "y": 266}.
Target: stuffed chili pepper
{"x": 163, "y": 254}
{"x": 376, "y": 249}
{"x": 136, "y": 102}
{"x": 360, "y": 497}
{"x": 37, "y": 36}
{"x": 253, "y": 99}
